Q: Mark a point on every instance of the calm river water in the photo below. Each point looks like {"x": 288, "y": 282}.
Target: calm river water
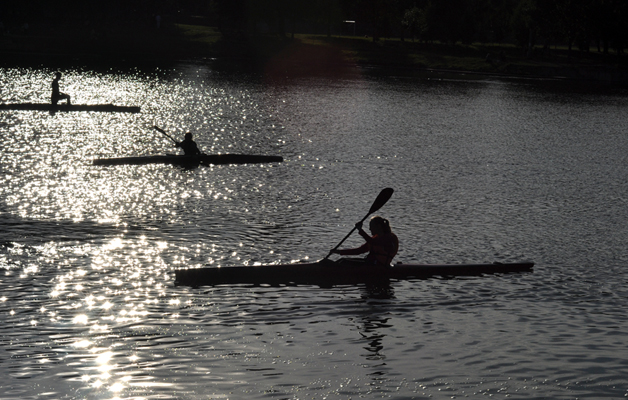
{"x": 483, "y": 170}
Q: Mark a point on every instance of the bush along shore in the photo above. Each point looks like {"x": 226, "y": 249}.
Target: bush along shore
{"x": 312, "y": 54}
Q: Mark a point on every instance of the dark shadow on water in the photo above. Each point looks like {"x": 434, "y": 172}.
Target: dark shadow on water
{"x": 30, "y": 232}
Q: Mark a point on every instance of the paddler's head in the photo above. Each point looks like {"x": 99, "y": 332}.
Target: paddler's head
{"x": 379, "y": 225}
{"x": 188, "y": 136}
{"x": 58, "y": 75}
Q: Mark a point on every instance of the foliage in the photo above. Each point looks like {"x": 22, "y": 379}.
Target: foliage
{"x": 581, "y": 24}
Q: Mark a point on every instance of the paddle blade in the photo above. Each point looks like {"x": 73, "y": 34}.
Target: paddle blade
{"x": 164, "y": 133}
{"x": 381, "y": 199}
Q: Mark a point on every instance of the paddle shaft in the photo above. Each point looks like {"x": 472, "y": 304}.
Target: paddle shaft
{"x": 165, "y": 134}
{"x": 170, "y": 137}
{"x": 345, "y": 238}
{"x": 379, "y": 202}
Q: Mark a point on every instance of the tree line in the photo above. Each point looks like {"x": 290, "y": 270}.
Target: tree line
{"x": 586, "y": 25}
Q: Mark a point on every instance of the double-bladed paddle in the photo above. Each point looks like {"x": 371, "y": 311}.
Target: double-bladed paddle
{"x": 379, "y": 202}
{"x": 158, "y": 129}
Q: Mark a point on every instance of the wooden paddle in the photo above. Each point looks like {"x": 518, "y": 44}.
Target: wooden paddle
{"x": 158, "y": 129}
{"x": 379, "y": 202}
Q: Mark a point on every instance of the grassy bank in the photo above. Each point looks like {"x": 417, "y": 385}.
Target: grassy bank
{"x": 313, "y": 54}
{"x": 498, "y": 59}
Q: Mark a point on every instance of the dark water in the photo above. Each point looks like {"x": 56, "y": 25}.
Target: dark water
{"x": 483, "y": 170}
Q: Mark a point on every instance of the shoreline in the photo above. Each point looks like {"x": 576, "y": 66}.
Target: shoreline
{"x": 311, "y": 55}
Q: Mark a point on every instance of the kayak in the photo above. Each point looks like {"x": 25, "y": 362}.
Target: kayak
{"x": 203, "y": 159}
{"x": 327, "y": 272}
{"x": 72, "y": 107}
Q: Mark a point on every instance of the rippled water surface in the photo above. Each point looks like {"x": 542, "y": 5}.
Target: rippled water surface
{"x": 483, "y": 170}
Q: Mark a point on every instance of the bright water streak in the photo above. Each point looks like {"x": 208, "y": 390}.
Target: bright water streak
{"x": 483, "y": 170}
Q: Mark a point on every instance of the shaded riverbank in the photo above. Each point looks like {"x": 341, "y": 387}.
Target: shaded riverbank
{"x": 306, "y": 54}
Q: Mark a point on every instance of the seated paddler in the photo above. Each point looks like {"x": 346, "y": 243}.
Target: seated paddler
{"x": 188, "y": 145}
{"x": 381, "y": 247}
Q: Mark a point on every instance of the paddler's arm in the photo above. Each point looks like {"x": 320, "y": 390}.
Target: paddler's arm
{"x": 365, "y": 248}
{"x": 196, "y": 150}
{"x": 363, "y": 233}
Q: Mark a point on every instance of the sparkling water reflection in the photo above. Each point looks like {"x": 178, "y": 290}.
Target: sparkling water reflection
{"x": 483, "y": 170}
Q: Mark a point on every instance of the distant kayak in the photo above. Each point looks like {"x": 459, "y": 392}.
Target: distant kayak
{"x": 71, "y": 107}
{"x": 203, "y": 159}
{"x": 328, "y": 272}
